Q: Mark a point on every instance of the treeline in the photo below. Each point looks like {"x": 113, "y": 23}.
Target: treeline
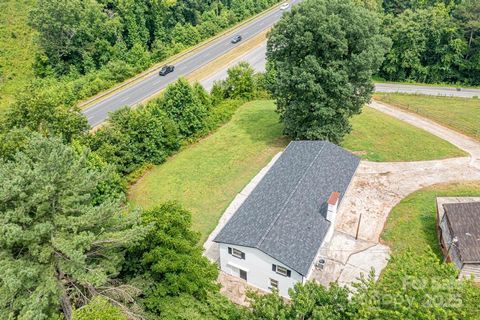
{"x": 79, "y": 36}
{"x": 91, "y": 45}
{"x": 433, "y": 41}
{"x": 70, "y": 247}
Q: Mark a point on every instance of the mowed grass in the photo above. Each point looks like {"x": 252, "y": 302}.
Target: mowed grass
{"x": 460, "y": 114}
{"x": 206, "y": 176}
{"x": 17, "y": 48}
{"x": 379, "y": 137}
{"x": 412, "y": 223}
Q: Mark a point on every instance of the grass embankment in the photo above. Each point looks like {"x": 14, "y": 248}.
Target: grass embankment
{"x": 17, "y": 48}
{"x": 379, "y": 137}
{"x": 460, "y": 114}
{"x": 411, "y": 224}
{"x": 206, "y": 176}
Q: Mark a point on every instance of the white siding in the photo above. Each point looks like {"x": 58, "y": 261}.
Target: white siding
{"x": 258, "y": 266}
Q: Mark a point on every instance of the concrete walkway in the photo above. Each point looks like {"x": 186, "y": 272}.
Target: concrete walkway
{"x": 376, "y": 189}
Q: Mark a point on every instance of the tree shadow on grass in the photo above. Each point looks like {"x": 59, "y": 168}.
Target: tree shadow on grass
{"x": 264, "y": 125}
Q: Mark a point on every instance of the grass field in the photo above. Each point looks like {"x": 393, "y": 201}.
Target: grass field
{"x": 17, "y": 50}
{"x": 206, "y": 176}
{"x": 379, "y": 137}
{"x": 411, "y": 224}
{"x": 460, "y": 114}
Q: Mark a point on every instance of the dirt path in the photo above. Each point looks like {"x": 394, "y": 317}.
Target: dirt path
{"x": 376, "y": 188}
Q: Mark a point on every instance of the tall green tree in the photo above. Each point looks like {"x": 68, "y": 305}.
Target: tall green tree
{"x": 467, "y": 15}
{"x": 47, "y": 109}
{"x": 427, "y": 46}
{"x": 57, "y": 248}
{"x": 134, "y": 137}
{"x": 75, "y": 31}
{"x": 323, "y": 54}
{"x": 185, "y": 105}
{"x": 168, "y": 261}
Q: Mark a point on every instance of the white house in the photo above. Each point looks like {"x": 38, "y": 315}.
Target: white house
{"x": 273, "y": 239}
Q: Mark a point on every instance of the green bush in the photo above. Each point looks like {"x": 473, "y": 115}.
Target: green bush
{"x": 135, "y": 137}
{"x": 99, "y": 309}
{"x": 168, "y": 262}
{"x": 185, "y": 105}
{"x": 221, "y": 114}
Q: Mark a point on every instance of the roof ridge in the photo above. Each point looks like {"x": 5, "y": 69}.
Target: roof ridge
{"x": 289, "y": 197}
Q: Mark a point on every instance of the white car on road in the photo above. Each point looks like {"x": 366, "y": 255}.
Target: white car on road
{"x": 285, "y": 6}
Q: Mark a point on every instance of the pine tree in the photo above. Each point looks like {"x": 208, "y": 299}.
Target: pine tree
{"x": 57, "y": 248}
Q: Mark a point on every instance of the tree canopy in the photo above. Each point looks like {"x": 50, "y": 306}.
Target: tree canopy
{"x": 323, "y": 54}
{"x": 57, "y": 249}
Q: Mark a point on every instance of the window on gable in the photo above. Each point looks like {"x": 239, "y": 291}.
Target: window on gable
{"x": 281, "y": 270}
{"x": 236, "y": 253}
{"x": 273, "y": 284}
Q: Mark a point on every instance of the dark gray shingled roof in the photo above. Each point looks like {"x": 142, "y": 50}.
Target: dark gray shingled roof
{"x": 284, "y": 216}
{"x": 464, "y": 222}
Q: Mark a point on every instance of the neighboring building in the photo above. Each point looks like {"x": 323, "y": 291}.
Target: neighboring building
{"x": 273, "y": 239}
{"x": 458, "y": 221}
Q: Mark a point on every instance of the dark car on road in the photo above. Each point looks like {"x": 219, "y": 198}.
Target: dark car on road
{"x": 166, "y": 70}
{"x": 236, "y": 39}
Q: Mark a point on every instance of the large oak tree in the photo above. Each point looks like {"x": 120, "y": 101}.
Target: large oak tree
{"x": 323, "y": 54}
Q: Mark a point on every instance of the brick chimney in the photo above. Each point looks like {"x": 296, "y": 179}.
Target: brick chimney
{"x": 332, "y": 206}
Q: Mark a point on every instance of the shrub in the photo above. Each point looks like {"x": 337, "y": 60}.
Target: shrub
{"x": 136, "y": 136}
{"x": 185, "y": 105}
{"x": 99, "y": 309}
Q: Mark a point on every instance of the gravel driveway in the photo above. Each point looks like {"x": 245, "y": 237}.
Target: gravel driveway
{"x": 376, "y": 188}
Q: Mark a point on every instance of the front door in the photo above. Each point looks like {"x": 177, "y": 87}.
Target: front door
{"x": 243, "y": 275}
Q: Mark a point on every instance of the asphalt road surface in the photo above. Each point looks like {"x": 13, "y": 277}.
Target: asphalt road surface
{"x": 256, "y": 57}
{"x": 152, "y": 84}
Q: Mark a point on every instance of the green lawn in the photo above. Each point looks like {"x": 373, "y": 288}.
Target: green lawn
{"x": 411, "y": 224}
{"x": 206, "y": 176}
{"x": 379, "y": 137}
{"x": 460, "y": 114}
{"x": 17, "y": 49}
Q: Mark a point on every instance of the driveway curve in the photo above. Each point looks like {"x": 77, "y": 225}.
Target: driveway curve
{"x": 378, "y": 187}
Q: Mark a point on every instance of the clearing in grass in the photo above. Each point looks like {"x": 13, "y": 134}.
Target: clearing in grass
{"x": 460, "y": 114}
{"x": 412, "y": 223}
{"x": 379, "y": 137}
{"x": 206, "y": 176}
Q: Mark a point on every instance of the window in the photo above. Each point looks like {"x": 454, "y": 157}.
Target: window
{"x": 236, "y": 253}
{"x": 281, "y": 270}
{"x": 273, "y": 284}
{"x": 243, "y": 275}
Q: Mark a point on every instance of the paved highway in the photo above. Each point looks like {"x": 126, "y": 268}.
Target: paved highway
{"x": 152, "y": 84}
{"x": 256, "y": 57}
